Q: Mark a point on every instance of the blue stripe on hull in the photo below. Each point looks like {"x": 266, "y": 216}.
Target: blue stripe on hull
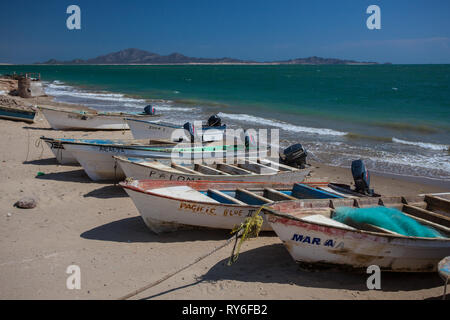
{"x": 19, "y": 114}
{"x": 302, "y": 191}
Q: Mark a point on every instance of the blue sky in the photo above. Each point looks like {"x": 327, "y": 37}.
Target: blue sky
{"x": 414, "y": 31}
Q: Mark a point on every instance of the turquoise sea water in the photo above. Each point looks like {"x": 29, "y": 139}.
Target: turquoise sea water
{"x": 396, "y": 117}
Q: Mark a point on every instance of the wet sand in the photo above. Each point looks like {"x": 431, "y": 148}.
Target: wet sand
{"x": 97, "y": 227}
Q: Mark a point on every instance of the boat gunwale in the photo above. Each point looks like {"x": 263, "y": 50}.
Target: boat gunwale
{"x": 166, "y": 148}
{"x": 107, "y": 114}
{"x": 169, "y": 183}
{"x": 169, "y": 125}
{"x": 269, "y": 211}
{"x": 205, "y": 176}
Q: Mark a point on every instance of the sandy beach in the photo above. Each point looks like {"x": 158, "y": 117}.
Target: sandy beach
{"x": 97, "y": 227}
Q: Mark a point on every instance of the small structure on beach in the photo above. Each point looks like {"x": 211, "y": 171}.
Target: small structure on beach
{"x": 29, "y": 85}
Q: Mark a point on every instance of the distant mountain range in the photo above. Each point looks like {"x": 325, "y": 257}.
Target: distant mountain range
{"x": 137, "y": 56}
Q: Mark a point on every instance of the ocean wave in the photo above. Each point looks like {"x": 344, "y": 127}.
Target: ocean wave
{"x": 426, "y": 145}
{"x": 436, "y": 167}
{"x": 159, "y": 106}
{"x": 280, "y": 124}
{"x": 352, "y": 135}
{"x": 400, "y": 126}
{"x": 59, "y": 89}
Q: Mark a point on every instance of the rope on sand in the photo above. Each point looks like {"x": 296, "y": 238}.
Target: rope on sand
{"x": 136, "y": 292}
{"x": 249, "y": 228}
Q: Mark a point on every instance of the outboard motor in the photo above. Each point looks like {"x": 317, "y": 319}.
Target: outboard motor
{"x": 150, "y": 110}
{"x": 214, "y": 121}
{"x": 361, "y": 177}
{"x": 294, "y": 156}
{"x": 189, "y": 127}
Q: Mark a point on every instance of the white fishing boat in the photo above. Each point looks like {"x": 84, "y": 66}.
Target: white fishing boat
{"x": 61, "y": 154}
{"x": 96, "y": 155}
{"x": 169, "y": 205}
{"x": 256, "y": 170}
{"x": 145, "y": 129}
{"x": 314, "y": 238}
{"x": 60, "y": 119}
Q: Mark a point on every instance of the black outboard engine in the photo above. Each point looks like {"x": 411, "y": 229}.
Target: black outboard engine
{"x": 361, "y": 177}
{"x": 150, "y": 110}
{"x": 294, "y": 156}
{"x": 214, "y": 121}
{"x": 189, "y": 127}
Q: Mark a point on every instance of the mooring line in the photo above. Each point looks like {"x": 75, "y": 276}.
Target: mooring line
{"x": 136, "y": 292}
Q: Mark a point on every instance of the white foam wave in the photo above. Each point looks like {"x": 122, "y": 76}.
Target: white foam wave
{"x": 425, "y": 145}
{"x": 280, "y": 124}
{"x": 57, "y": 89}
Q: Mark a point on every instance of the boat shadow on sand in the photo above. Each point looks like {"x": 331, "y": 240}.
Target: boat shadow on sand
{"x": 133, "y": 229}
{"x": 70, "y": 176}
{"x": 265, "y": 264}
{"x": 107, "y": 192}
{"x": 273, "y": 264}
{"x": 47, "y": 162}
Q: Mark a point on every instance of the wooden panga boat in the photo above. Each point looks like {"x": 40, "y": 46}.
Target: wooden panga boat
{"x": 313, "y": 239}
{"x": 60, "y": 119}
{"x": 96, "y": 155}
{"x": 61, "y": 154}
{"x": 168, "y": 205}
{"x": 249, "y": 170}
{"x": 17, "y": 113}
{"x": 145, "y": 129}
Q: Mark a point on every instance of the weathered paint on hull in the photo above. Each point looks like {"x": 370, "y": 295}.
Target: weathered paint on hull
{"x": 155, "y": 130}
{"x": 18, "y": 115}
{"x": 145, "y": 130}
{"x": 60, "y": 120}
{"x": 139, "y": 172}
{"x": 61, "y": 154}
{"x": 161, "y": 214}
{"x": 356, "y": 249}
{"x": 99, "y": 164}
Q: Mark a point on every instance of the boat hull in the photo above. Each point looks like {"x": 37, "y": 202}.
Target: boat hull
{"x": 142, "y": 129}
{"x": 162, "y": 214}
{"x": 17, "y": 115}
{"x": 99, "y": 164}
{"x": 62, "y": 155}
{"x": 65, "y": 120}
{"x": 146, "y": 130}
{"x": 312, "y": 244}
{"x": 140, "y": 172}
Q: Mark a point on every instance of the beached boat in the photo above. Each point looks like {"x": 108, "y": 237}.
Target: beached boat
{"x": 96, "y": 155}
{"x": 17, "y": 113}
{"x": 60, "y": 119}
{"x": 61, "y": 154}
{"x": 168, "y": 205}
{"x": 313, "y": 238}
{"x": 145, "y": 129}
{"x": 257, "y": 170}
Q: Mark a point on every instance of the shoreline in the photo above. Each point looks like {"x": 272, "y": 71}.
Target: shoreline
{"x": 51, "y": 101}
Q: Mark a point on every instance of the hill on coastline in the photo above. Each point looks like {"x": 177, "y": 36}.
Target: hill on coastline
{"x": 137, "y": 56}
